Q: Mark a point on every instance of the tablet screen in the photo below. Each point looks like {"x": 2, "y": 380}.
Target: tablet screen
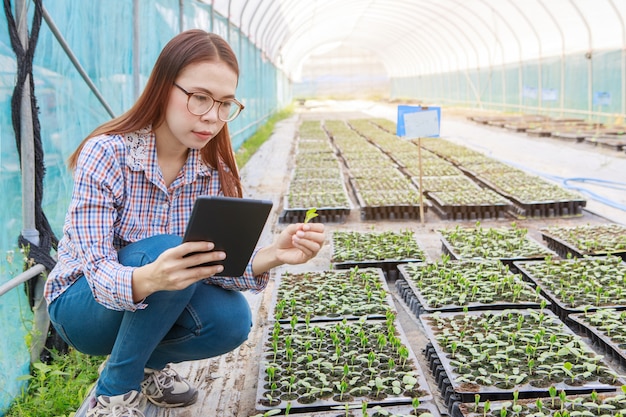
{"x": 233, "y": 224}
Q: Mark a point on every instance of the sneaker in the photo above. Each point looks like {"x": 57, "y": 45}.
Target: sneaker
{"x": 166, "y": 388}
{"x": 125, "y": 405}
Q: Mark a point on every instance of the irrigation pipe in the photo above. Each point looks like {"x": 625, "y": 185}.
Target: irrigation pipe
{"x": 21, "y": 278}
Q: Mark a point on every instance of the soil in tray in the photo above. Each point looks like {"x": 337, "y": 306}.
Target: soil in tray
{"x": 606, "y": 328}
{"x": 558, "y": 404}
{"x": 449, "y": 285}
{"x": 579, "y": 284}
{"x": 353, "y": 246}
{"x": 505, "y": 243}
{"x": 336, "y": 363}
{"x": 495, "y": 353}
{"x": 332, "y": 295}
{"x": 587, "y": 240}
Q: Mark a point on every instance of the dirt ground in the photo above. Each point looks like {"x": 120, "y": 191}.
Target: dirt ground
{"x": 228, "y": 384}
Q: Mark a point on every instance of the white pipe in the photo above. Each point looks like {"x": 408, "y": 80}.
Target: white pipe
{"x": 21, "y": 278}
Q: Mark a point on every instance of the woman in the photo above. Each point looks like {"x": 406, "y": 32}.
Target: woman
{"x": 123, "y": 286}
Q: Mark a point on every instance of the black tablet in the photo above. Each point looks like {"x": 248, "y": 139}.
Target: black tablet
{"x": 233, "y": 224}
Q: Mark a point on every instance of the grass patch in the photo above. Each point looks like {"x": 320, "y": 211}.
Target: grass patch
{"x": 252, "y": 144}
{"x": 57, "y": 389}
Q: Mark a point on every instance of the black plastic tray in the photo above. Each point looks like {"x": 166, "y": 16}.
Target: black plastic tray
{"x": 454, "y": 392}
{"x": 534, "y": 209}
{"x": 557, "y": 305}
{"x": 418, "y": 305}
{"x": 448, "y": 249}
{"x": 459, "y": 409}
{"x": 469, "y": 211}
{"x": 600, "y": 338}
{"x": 565, "y": 248}
{"x": 389, "y": 267}
{"x": 381, "y": 279}
{"x": 325, "y": 215}
{"x": 328, "y": 404}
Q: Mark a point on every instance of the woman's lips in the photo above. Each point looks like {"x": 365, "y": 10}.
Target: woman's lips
{"x": 203, "y": 135}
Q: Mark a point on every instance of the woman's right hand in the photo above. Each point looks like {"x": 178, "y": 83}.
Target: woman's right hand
{"x": 176, "y": 269}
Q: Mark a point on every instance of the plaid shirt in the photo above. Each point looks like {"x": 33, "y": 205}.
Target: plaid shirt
{"x": 120, "y": 197}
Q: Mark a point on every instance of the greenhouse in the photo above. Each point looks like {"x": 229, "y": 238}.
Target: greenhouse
{"x": 444, "y": 186}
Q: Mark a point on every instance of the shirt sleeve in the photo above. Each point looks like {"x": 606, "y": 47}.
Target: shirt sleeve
{"x": 97, "y": 194}
{"x": 248, "y": 281}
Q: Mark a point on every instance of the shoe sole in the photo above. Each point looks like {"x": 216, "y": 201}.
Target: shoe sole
{"x": 175, "y": 405}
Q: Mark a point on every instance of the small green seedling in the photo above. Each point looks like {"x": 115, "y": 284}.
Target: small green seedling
{"x": 310, "y": 214}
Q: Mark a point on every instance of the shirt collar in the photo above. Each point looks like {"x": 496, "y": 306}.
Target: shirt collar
{"x": 141, "y": 146}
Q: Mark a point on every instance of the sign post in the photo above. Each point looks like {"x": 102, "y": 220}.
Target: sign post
{"x": 418, "y": 122}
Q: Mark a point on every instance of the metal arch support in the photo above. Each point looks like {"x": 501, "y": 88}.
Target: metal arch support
{"x": 254, "y": 15}
{"x": 623, "y": 26}
{"x": 269, "y": 32}
{"x": 257, "y": 38}
{"x": 453, "y": 35}
{"x": 495, "y": 37}
{"x": 519, "y": 45}
{"x": 539, "y": 68}
{"x": 562, "y": 87}
{"x": 589, "y": 57}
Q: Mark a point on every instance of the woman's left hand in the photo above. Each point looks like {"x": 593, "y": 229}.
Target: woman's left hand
{"x": 300, "y": 242}
{"x": 297, "y": 244}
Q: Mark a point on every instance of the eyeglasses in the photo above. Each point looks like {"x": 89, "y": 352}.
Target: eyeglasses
{"x": 201, "y": 103}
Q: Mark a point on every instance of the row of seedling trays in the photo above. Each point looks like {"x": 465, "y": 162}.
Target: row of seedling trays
{"x": 497, "y": 327}
{"x": 458, "y": 199}
{"x": 502, "y": 329}
{"x": 316, "y": 180}
{"x": 335, "y": 346}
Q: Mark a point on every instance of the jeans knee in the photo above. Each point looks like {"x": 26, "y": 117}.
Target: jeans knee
{"x": 147, "y": 250}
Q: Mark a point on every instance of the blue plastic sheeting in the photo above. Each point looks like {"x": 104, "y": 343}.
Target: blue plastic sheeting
{"x": 101, "y": 38}
{"x": 15, "y": 321}
{"x": 564, "y": 89}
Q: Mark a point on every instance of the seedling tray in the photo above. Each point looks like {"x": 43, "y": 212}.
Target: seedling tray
{"x": 535, "y": 209}
{"x": 469, "y": 211}
{"x": 332, "y": 295}
{"x": 616, "y": 349}
{"x": 355, "y": 410}
{"x": 559, "y": 305}
{"x": 397, "y": 212}
{"x": 344, "y": 364}
{"x": 567, "y": 249}
{"x": 583, "y": 405}
{"x": 455, "y": 387}
{"x": 384, "y": 250}
{"x": 542, "y": 252}
{"x": 419, "y": 304}
{"x": 547, "y": 209}
{"x": 325, "y": 215}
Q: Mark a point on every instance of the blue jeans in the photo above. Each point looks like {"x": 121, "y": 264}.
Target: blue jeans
{"x": 199, "y": 322}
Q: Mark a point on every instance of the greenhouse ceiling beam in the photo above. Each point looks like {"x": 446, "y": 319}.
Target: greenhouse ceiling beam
{"x": 272, "y": 35}
{"x": 519, "y": 47}
{"x": 623, "y": 27}
{"x": 540, "y": 50}
{"x": 255, "y": 32}
{"x": 476, "y": 87}
{"x": 459, "y": 3}
{"x": 452, "y": 29}
{"x": 562, "y": 80}
{"x": 408, "y": 24}
{"x": 589, "y": 57}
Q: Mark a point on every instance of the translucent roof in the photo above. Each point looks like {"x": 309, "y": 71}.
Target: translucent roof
{"x": 412, "y": 37}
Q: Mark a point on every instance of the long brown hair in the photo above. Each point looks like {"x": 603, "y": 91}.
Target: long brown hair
{"x": 186, "y": 48}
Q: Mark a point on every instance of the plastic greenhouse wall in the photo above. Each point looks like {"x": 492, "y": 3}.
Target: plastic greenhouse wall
{"x": 572, "y": 86}
{"x": 101, "y": 38}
